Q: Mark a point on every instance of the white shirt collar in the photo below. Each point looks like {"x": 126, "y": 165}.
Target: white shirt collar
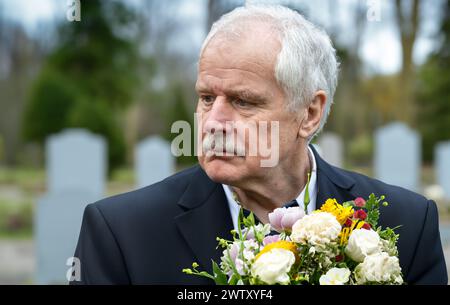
{"x": 312, "y": 189}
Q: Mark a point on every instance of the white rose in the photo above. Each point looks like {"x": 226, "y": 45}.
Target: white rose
{"x": 362, "y": 243}
{"x": 273, "y": 266}
{"x": 335, "y": 276}
{"x": 380, "y": 268}
{"x": 317, "y": 229}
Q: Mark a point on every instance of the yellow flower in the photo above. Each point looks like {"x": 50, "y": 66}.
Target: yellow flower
{"x": 347, "y": 231}
{"x": 281, "y": 244}
{"x": 339, "y": 211}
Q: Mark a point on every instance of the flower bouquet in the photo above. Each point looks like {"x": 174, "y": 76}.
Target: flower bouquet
{"x": 339, "y": 244}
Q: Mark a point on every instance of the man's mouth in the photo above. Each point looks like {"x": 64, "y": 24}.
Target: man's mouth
{"x": 220, "y": 147}
{"x": 221, "y": 152}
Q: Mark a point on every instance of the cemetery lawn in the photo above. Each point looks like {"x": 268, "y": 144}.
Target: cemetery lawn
{"x": 18, "y": 188}
{"x": 16, "y": 219}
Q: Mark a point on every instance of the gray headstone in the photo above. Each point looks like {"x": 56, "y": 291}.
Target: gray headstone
{"x": 153, "y": 161}
{"x": 331, "y": 148}
{"x": 57, "y": 227}
{"x": 442, "y": 166}
{"x": 76, "y": 166}
{"x": 76, "y": 159}
{"x": 397, "y": 156}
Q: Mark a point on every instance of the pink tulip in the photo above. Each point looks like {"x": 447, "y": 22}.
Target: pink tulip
{"x": 282, "y": 219}
{"x": 275, "y": 219}
{"x": 270, "y": 239}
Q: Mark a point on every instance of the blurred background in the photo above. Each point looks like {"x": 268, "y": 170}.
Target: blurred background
{"x": 84, "y": 106}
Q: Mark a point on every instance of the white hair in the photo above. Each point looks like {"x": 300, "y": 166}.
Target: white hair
{"x": 307, "y": 60}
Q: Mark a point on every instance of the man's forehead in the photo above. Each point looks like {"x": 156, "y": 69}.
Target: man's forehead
{"x": 219, "y": 69}
{"x": 259, "y": 45}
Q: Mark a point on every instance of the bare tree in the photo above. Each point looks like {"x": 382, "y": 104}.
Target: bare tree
{"x": 21, "y": 56}
{"x": 408, "y": 25}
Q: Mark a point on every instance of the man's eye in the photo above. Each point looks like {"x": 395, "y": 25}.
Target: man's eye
{"x": 241, "y": 103}
{"x": 207, "y": 99}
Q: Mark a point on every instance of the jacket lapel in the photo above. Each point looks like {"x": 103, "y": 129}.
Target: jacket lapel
{"x": 206, "y": 216}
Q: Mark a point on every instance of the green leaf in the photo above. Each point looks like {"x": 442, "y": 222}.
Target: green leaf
{"x": 205, "y": 274}
{"x": 240, "y": 218}
{"x": 219, "y": 277}
{"x": 234, "y": 279}
{"x": 250, "y": 220}
{"x": 306, "y": 198}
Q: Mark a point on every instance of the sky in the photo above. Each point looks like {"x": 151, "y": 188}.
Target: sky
{"x": 380, "y": 51}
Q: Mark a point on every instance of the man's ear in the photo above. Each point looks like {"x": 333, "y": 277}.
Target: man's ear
{"x": 312, "y": 114}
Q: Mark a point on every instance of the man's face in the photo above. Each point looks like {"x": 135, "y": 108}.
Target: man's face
{"x": 236, "y": 83}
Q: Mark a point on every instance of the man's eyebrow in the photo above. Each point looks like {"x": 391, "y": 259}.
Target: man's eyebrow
{"x": 246, "y": 95}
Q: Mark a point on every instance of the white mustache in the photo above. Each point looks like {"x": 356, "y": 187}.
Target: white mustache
{"x": 221, "y": 145}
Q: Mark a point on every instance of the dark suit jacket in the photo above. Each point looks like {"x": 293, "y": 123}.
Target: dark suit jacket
{"x": 149, "y": 235}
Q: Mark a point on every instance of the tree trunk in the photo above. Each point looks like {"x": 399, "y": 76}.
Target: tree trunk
{"x": 407, "y": 26}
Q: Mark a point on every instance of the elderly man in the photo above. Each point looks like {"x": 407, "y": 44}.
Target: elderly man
{"x": 258, "y": 64}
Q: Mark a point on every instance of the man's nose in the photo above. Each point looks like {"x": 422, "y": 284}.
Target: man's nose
{"x": 221, "y": 112}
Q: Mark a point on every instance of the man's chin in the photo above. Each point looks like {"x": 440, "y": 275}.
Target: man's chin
{"x": 222, "y": 169}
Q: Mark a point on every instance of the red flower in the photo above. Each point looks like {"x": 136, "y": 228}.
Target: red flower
{"x": 360, "y": 202}
{"x": 366, "y": 226}
{"x": 360, "y": 214}
{"x": 348, "y": 222}
{"x": 339, "y": 258}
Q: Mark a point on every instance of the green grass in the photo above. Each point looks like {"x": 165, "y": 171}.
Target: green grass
{"x": 16, "y": 219}
{"x": 428, "y": 175}
{"x": 16, "y": 211}
{"x": 30, "y": 180}
{"x": 365, "y": 170}
{"x": 123, "y": 175}
{"x": 21, "y": 175}
{"x": 16, "y": 235}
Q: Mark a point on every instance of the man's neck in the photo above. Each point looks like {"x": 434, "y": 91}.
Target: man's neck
{"x": 278, "y": 188}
